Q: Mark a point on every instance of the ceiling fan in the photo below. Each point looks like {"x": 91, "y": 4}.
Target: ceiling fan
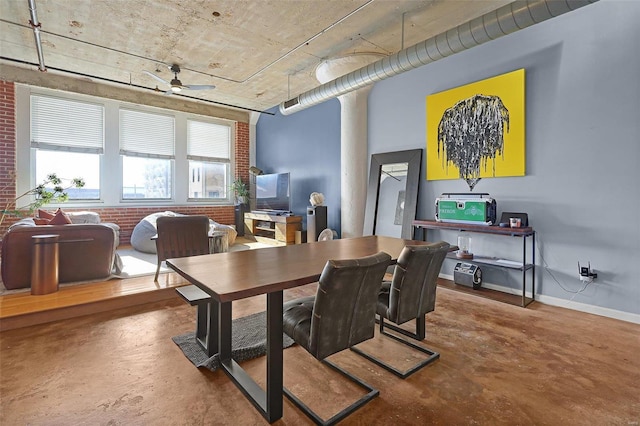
{"x": 176, "y": 85}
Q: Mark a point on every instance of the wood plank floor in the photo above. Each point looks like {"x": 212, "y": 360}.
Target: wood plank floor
{"x": 499, "y": 365}
{"x": 23, "y": 309}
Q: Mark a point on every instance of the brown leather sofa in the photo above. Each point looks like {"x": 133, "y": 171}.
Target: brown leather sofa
{"x": 86, "y": 251}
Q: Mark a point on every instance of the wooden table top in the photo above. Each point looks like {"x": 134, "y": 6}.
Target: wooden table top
{"x": 241, "y": 274}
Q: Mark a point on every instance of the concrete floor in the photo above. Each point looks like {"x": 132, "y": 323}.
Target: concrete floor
{"x": 499, "y": 364}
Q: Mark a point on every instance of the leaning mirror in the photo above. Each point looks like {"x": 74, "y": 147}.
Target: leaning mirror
{"x": 392, "y": 195}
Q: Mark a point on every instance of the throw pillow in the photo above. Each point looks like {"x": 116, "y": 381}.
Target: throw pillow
{"x": 41, "y": 221}
{"x": 23, "y": 223}
{"x": 83, "y": 217}
{"x": 60, "y": 218}
{"x": 43, "y": 214}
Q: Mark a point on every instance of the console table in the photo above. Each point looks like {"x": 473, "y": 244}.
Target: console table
{"x": 520, "y": 265}
{"x": 273, "y": 228}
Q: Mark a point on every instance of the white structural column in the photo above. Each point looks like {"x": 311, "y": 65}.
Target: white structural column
{"x": 354, "y": 159}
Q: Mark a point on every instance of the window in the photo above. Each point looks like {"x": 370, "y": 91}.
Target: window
{"x": 147, "y": 148}
{"x": 68, "y": 139}
{"x": 208, "y": 152}
{"x": 127, "y": 154}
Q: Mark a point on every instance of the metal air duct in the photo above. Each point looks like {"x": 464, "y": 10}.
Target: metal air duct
{"x": 36, "y": 33}
{"x": 490, "y": 26}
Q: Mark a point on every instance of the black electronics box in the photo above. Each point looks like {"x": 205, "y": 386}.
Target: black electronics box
{"x": 524, "y": 218}
{"x": 467, "y": 274}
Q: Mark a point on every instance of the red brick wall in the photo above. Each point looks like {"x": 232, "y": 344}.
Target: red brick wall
{"x": 242, "y": 151}
{"x": 128, "y": 217}
{"x": 125, "y": 217}
{"x": 7, "y": 149}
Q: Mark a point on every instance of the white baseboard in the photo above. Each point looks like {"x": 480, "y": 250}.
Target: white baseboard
{"x": 590, "y": 309}
{"x": 563, "y": 303}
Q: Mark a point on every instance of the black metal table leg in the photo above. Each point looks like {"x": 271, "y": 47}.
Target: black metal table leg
{"x": 211, "y": 339}
{"x": 274, "y": 356}
{"x": 268, "y": 403}
{"x": 224, "y": 330}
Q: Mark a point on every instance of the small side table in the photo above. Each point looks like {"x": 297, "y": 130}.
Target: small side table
{"x": 44, "y": 264}
{"x": 218, "y": 242}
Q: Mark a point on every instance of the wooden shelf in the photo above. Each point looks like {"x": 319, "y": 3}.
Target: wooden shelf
{"x": 486, "y": 229}
{"x": 522, "y": 266}
{"x": 493, "y": 261}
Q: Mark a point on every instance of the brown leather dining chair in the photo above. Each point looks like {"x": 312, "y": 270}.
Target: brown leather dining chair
{"x": 181, "y": 236}
{"x": 409, "y": 295}
{"x": 340, "y": 315}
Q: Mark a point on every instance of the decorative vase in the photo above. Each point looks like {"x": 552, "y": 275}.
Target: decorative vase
{"x": 464, "y": 247}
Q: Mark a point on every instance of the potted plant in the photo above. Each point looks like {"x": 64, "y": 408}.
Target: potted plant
{"x": 241, "y": 193}
{"x": 49, "y": 191}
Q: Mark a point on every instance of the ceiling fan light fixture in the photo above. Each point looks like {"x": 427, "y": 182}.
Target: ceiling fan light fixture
{"x": 176, "y": 85}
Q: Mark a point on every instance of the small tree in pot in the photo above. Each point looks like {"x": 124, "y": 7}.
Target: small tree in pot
{"x": 52, "y": 190}
{"x": 240, "y": 191}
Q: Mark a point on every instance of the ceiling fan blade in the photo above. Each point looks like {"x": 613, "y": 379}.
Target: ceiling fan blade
{"x": 199, "y": 86}
{"x": 156, "y": 77}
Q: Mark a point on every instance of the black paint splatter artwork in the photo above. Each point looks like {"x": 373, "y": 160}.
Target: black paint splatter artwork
{"x": 471, "y": 132}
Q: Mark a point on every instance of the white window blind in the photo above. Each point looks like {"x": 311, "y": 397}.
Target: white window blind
{"x": 62, "y": 124}
{"x": 208, "y": 141}
{"x": 148, "y": 135}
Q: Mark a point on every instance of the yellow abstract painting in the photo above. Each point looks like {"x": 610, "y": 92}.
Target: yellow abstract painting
{"x": 477, "y": 130}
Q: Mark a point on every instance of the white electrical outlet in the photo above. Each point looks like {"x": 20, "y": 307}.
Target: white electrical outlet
{"x": 586, "y": 274}
{"x": 586, "y": 279}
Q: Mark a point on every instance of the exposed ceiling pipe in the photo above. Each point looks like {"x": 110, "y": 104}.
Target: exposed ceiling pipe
{"x": 35, "y": 25}
{"x": 490, "y": 26}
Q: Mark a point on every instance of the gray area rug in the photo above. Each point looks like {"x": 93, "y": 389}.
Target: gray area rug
{"x": 248, "y": 341}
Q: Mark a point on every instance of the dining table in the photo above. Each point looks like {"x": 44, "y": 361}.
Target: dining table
{"x": 237, "y": 275}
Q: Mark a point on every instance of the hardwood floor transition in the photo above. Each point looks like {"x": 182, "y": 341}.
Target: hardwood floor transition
{"x": 23, "y": 309}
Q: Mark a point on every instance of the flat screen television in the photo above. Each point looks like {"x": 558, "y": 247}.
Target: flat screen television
{"x": 273, "y": 192}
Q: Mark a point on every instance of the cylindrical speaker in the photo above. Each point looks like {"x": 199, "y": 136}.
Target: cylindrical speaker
{"x": 240, "y": 210}
{"x": 44, "y": 264}
{"x": 316, "y": 222}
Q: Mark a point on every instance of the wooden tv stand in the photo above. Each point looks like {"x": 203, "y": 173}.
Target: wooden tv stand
{"x": 273, "y": 228}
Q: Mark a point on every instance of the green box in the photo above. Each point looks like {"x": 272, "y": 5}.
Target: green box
{"x": 481, "y": 211}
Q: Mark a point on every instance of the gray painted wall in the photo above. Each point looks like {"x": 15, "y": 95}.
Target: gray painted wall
{"x": 307, "y": 145}
{"x": 583, "y": 147}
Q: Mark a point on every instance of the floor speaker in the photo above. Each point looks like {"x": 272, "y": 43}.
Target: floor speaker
{"x": 240, "y": 210}
{"x": 316, "y": 222}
